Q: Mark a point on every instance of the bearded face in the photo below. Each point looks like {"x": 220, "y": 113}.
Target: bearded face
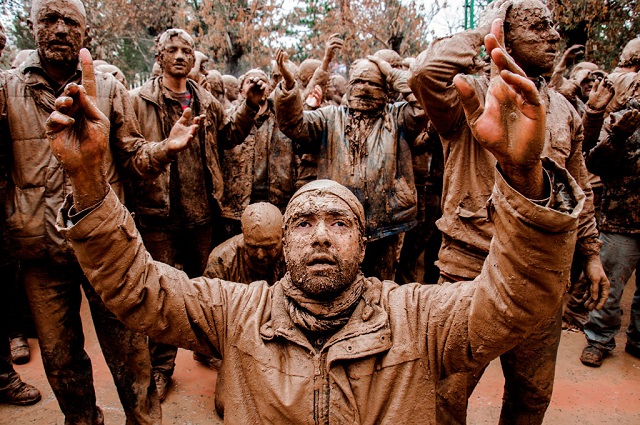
{"x": 323, "y": 245}
{"x": 59, "y": 28}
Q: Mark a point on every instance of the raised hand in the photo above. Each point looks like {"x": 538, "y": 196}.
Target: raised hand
{"x": 384, "y": 66}
{"x": 183, "y": 132}
{"x": 511, "y": 123}
{"x": 334, "y": 43}
{"x": 256, "y": 94}
{"x": 601, "y": 94}
{"x": 287, "y": 77}
{"x": 624, "y": 126}
{"x": 78, "y": 133}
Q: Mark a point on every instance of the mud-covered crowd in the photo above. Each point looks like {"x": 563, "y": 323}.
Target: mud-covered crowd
{"x": 268, "y": 216}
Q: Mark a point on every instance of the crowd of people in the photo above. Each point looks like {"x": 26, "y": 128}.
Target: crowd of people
{"x": 272, "y": 223}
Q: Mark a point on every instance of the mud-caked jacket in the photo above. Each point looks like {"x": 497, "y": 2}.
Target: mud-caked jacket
{"x": 37, "y": 182}
{"x": 616, "y": 159}
{"x": 468, "y": 170}
{"x": 265, "y": 148}
{"x": 382, "y": 179}
{"x": 228, "y": 261}
{"x": 218, "y": 131}
{"x": 384, "y": 365}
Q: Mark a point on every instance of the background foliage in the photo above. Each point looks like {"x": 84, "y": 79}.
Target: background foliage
{"x": 242, "y": 34}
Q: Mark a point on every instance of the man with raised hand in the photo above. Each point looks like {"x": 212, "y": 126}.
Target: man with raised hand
{"x": 325, "y": 344}
{"x": 52, "y": 277}
{"x": 466, "y": 225}
{"x": 176, "y": 211}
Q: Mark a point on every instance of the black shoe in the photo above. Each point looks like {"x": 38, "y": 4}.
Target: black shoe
{"x": 19, "y": 393}
{"x": 20, "y": 353}
{"x": 163, "y": 382}
{"x": 633, "y": 350}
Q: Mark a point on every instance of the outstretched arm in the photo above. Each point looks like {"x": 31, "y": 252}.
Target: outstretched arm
{"x": 525, "y": 274}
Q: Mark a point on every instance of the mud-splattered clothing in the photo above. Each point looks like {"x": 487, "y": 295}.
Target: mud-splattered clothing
{"x": 616, "y": 160}
{"x": 375, "y": 165}
{"x": 220, "y": 131}
{"x": 39, "y": 183}
{"x": 413, "y": 335}
{"x": 229, "y": 261}
{"x": 261, "y": 169}
{"x": 51, "y": 275}
{"x": 468, "y": 172}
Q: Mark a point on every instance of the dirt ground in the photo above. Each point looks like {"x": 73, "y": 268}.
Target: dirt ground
{"x": 582, "y": 395}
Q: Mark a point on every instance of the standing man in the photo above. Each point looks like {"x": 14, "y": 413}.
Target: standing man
{"x": 12, "y": 389}
{"x": 38, "y": 185}
{"x": 615, "y": 159}
{"x": 466, "y": 227}
{"x": 363, "y": 145}
{"x": 177, "y": 210}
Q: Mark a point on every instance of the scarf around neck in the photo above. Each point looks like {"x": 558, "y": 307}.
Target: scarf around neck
{"x": 315, "y": 315}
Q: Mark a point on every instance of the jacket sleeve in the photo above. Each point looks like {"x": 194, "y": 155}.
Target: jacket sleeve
{"x": 304, "y": 128}
{"x": 432, "y": 78}
{"x": 588, "y": 242}
{"x": 234, "y": 125}
{"x": 144, "y": 158}
{"x": 521, "y": 283}
{"x": 146, "y": 295}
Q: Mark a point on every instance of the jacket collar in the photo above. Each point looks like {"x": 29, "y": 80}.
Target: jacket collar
{"x": 35, "y": 73}
{"x": 367, "y": 332}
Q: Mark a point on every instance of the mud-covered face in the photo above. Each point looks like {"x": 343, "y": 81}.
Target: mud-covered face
{"x": 365, "y": 90}
{"x": 263, "y": 249}
{"x": 59, "y": 29}
{"x": 177, "y": 58}
{"x": 531, "y": 37}
{"x": 323, "y": 246}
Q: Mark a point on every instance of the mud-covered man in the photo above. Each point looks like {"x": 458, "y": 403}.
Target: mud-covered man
{"x": 326, "y": 344}
{"x": 263, "y": 168}
{"x": 466, "y": 226}
{"x": 12, "y": 389}
{"x": 363, "y": 145}
{"x": 177, "y": 210}
{"x": 52, "y": 277}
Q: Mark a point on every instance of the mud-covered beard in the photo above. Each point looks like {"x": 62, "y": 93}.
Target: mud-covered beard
{"x": 324, "y": 284}
{"x": 366, "y": 99}
{"x": 59, "y": 58}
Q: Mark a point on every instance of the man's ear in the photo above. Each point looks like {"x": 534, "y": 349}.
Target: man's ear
{"x": 30, "y": 25}
{"x": 86, "y": 32}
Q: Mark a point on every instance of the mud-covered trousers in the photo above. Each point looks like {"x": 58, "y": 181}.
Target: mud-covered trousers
{"x": 529, "y": 372}
{"x": 620, "y": 255}
{"x": 54, "y": 295}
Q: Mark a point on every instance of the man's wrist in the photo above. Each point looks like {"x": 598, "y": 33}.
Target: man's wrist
{"x": 529, "y": 181}
{"x": 88, "y": 191}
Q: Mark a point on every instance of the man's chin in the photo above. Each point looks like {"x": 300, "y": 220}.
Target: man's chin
{"x": 61, "y": 59}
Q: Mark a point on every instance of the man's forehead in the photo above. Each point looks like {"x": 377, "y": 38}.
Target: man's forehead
{"x": 528, "y": 13}
{"x": 67, "y": 8}
{"x": 317, "y": 204}
{"x": 177, "y": 41}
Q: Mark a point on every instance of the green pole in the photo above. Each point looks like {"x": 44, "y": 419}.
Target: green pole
{"x": 472, "y": 14}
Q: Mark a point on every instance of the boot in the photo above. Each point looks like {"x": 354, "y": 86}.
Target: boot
{"x": 18, "y": 392}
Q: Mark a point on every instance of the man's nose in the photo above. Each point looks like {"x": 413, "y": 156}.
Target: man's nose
{"x": 261, "y": 254}
{"x": 60, "y": 27}
{"x": 321, "y": 235}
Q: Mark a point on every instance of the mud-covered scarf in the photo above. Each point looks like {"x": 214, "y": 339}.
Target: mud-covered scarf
{"x": 315, "y": 315}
